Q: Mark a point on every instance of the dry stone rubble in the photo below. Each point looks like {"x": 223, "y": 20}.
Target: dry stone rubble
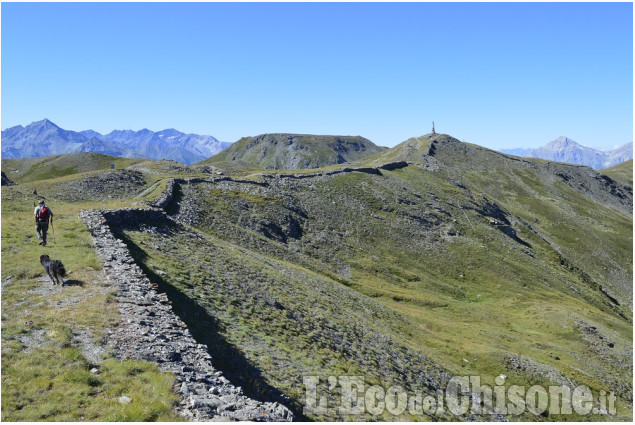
{"x": 151, "y": 331}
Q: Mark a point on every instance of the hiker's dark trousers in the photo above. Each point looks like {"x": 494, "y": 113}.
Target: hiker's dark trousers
{"x": 42, "y": 227}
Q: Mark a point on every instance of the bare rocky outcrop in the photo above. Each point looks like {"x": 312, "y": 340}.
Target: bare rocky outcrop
{"x": 151, "y": 331}
{"x": 6, "y": 181}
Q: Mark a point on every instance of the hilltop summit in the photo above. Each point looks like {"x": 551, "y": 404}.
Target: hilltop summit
{"x": 294, "y": 151}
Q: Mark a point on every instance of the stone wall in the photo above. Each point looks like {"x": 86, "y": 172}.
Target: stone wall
{"x": 149, "y": 330}
{"x": 368, "y": 170}
{"x": 166, "y": 197}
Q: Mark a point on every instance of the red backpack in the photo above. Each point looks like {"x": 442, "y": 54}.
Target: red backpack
{"x": 43, "y": 214}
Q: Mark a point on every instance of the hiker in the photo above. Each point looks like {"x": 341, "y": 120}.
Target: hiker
{"x": 42, "y": 216}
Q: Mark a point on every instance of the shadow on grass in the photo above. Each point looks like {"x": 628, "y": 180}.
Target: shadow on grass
{"x": 72, "y": 282}
{"x": 207, "y": 330}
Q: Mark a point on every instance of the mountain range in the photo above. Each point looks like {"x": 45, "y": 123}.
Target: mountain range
{"x": 564, "y": 149}
{"x": 43, "y": 138}
{"x": 432, "y": 259}
{"x": 269, "y": 151}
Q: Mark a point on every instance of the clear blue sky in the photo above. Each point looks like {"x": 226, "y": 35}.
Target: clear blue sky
{"x": 499, "y": 75}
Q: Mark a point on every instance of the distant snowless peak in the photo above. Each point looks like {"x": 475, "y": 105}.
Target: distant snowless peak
{"x": 564, "y": 149}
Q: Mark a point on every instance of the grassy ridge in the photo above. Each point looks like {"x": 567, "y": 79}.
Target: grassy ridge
{"x": 49, "y": 167}
{"x": 623, "y": 172}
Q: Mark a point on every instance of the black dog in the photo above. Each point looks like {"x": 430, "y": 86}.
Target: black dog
{"x": 54, "y": 268}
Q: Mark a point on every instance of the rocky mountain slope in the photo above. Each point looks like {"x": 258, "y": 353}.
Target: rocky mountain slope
{"x": 432, "y": 259}
{"x": 44, "y": 138}
{"x": 39, "y": 138}
{"x": 564, "y": 149}
{"x": 294, "y": 151}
